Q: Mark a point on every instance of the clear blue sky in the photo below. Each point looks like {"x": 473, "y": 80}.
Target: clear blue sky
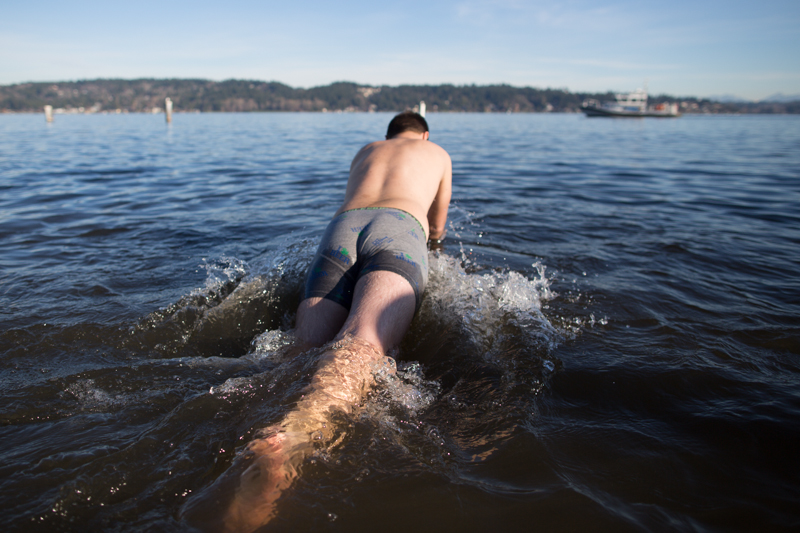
{"x": 689, "y": 48}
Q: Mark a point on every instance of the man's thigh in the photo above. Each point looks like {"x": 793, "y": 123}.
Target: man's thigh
{"x": 382, "y": 310}
{"x": 319, "y": 320}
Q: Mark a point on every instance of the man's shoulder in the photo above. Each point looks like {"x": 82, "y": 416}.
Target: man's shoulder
{"x": 430, "y": 148}
{"x": 437, "y": 151}
{"x": 440, "y": 149}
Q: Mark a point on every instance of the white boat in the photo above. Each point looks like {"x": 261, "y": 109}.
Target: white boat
{"x": 629, "y": 105}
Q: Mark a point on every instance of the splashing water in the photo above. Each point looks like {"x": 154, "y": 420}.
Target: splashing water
{"x": 481, "y": 305}
{"x": 423, "y": 408}
{"x": 485, "y": 307}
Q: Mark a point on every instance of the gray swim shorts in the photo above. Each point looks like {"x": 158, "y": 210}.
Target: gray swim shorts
{"x": 365, "y": 240}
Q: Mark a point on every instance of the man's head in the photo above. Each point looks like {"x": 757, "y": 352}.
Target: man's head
{"x": 407, "y": 121}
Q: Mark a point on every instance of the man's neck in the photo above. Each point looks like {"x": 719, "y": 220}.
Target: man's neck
{"x": 411, "y": 135}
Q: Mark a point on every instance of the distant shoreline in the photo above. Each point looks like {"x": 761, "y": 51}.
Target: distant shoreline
{"x": 113, "y": 96}
{"x": 577, "y": 113}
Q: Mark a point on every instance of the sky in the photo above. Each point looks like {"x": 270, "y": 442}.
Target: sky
{"x": 682, "y": 48}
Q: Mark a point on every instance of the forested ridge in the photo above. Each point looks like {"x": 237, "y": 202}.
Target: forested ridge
{"x": 197, "y": 95}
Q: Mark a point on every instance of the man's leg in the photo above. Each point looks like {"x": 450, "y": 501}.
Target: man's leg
{"x": 319, "y": 320}
{"x": 383, "y": 307}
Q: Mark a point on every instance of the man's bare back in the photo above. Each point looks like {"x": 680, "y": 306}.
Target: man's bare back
{"x": 406, "y": 172}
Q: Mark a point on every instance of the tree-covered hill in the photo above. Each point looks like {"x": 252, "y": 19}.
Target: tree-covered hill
{"x": 146, "y": 95}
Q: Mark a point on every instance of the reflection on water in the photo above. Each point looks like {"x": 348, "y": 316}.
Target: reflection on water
{"x": 608, "y": 341}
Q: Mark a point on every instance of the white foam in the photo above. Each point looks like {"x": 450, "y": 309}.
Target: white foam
{"x": 406, "y": 388}
{"x": 90, "y": 396}
{"x": 220, "y": 272}
{"x": 268, "y": 344}
{"x": 480, "y": 304}
{"x": 233, "y": 386}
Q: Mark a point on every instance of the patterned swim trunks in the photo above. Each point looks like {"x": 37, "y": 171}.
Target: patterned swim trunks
{"x": 365, "y": 240}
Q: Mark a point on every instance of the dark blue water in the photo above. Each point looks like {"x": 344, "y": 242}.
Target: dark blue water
{"x": 610, "y": 340}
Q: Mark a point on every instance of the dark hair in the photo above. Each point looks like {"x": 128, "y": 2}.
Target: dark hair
{"x": 406, "y": 121}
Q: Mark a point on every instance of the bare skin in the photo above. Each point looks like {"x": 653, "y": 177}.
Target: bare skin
{"x": 405, "y": 172}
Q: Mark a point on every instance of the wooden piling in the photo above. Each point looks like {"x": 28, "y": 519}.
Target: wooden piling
{"x": 48, "y": 113}
{"x": 422, "y": 108}
{"x": 168, "y": 109}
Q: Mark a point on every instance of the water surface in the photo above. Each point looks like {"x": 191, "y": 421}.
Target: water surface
{"x": 609, "y": 341}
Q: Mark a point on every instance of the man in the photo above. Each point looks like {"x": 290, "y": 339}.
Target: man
{"x": 371, "y": 267}
{"x": 362, "y": 290}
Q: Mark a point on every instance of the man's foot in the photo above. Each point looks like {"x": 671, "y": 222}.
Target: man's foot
{"x": 256, "y": 479}
{"x": 273, "y": 468}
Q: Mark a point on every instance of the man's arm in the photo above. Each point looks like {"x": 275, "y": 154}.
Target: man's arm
{"x": 437, "y": 214}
